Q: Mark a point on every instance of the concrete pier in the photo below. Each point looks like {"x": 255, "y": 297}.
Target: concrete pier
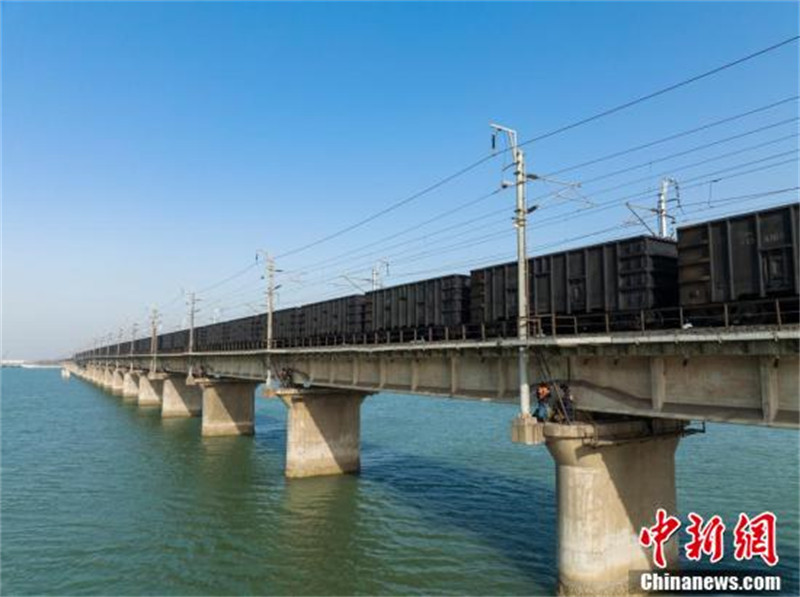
{"x": 323, "y": 432}
{"x": 108, "y": 381}
{"x": 150, "y": 388}
{"x": 228, "y": 406}
{"x": 117, "y": 381}
{"x": 130, "y": 385}
{"x": 179, "y": 399}
{"x": 610, "y": 479}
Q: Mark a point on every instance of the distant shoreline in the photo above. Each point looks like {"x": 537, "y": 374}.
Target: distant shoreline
{"x": 30, "y": 366}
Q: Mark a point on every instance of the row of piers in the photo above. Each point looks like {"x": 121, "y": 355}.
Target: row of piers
{"x": 611, "y": 475}
{"x": 323, "y": 426}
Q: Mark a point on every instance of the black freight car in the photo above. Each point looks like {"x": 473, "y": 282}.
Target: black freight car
{"x": 174, "y": 341}
{"x": 332, "y": 319}
{"x": 748, "y": 261}
{"x": 249, "y": 332}
{"x": 237, "y": 334}
{"x": 285, "y": 326}
{"x": 616, "y": 277}
{"x": 142, "y": 346}
{"x": 211, "y": 337}
{"x": 437, "y": 305}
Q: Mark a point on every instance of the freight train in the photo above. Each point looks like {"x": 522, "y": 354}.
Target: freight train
{"x": 739, "y": 270}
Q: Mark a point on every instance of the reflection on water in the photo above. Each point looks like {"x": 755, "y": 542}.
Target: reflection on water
{"x": 100, "y": 497}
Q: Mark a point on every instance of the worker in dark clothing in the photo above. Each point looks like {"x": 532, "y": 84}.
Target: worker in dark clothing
{"x": 566, "y": 406}
{"x": 542, "y": 411}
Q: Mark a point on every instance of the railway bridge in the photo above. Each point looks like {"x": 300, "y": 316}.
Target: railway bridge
{"x": 634, "y": 393}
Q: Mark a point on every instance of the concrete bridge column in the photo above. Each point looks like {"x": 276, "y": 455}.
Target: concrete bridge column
{"x": 130, "y": 386}
{"x": 228, "y": 406}
{"x": 323, "y": 432}
{"x": 117, "y": 381}
{"x": 610, "y": 479}
{"x": 150, "y": 388}
{"x": 108, "y": 379}
{"x": 178, "y": 399}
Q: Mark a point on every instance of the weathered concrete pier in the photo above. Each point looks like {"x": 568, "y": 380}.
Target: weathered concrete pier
{"x": 323, "y": 432}
{"x": 228, "y": 406}
{"x": 610, "y": 479}
{"x": 130, "y": 385}
{"x": 179, "y": 399}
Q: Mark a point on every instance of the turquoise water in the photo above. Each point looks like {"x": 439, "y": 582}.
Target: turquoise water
{"x": 103, "y": 498}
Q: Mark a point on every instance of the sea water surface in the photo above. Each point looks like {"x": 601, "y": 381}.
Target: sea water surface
{"x": 103, "y": 498}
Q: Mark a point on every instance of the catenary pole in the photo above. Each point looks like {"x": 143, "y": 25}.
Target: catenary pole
{"x": 520, "y": 223}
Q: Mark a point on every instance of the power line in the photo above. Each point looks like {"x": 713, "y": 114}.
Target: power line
{"x": 383, "y": 239}
{"x": 503, "y": 211}
{"x": 441, "y": 182}
{"x": 675, "y": 136}
{"x": 241, "y": 272}
{"x": 700, "y": 148}
{"x": 481, "y": 218}
{"x": 392, "y": 207}
{"x": 338, "y": 258}
{"x": 661, "y": 91}
{"x": 611, "y": 203}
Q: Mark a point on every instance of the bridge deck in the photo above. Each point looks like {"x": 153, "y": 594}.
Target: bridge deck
{"x": 737, "y": 375}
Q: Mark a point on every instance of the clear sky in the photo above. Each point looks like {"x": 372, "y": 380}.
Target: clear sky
{"x": 153, "y": 147}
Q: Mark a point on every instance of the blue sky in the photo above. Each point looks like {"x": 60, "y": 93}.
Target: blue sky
{"x": 150, "y": 147}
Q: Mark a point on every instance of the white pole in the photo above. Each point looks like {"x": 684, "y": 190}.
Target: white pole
{"x": 270, "y": 265}
{"x": 522, "y": 284}
{"x": 269, "y": 275}
{"x": 133, "y": 343}
{"x": 661, "y": 210}
{"x": 191, "y": 321}
{"x": 520, "y": 222}
{"x": 153, "y": 339}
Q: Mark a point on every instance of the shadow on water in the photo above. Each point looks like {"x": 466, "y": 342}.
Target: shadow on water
{"x": 509, "y": 514}
{"x": 514, "y": 515}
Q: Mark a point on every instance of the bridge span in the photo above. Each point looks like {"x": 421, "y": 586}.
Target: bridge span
{"x": 636, "y": 392}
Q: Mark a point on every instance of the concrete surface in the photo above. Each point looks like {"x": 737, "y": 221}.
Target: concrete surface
{"x": 610, "y": 479}
{"x": 323, "y": 432}
{"x": 228, "y": 407}
{"x": 180, "y": 399}
{"x": 150, "y": 387}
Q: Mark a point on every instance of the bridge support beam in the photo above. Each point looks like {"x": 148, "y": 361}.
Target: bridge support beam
{"x": 323, "y": 432}
{"x": 610, "y": 479}
{"x": 228, "y": 406}
{"x": 150, "y": 387}
{"x": 180, "y": 399}
{"x": 130, "y": 386}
